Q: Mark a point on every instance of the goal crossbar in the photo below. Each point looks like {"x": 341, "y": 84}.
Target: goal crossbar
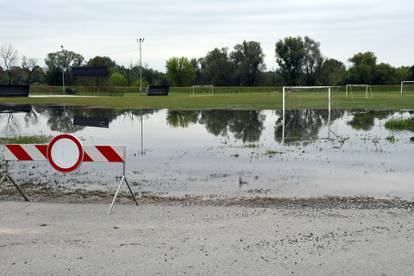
{"x": 402, "y": 85}
{"x": 306, "y": 87}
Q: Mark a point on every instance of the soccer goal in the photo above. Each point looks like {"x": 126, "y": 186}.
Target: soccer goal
{"x": 297, "y": 96}
{"x": 311, "y": 90}
{"x": 206, "y": 90}
{"x": 354, "y": 88}
{"x": 405, "y": 85}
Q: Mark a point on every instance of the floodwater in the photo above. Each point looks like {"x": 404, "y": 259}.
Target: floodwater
{"x": 227, "y": 153}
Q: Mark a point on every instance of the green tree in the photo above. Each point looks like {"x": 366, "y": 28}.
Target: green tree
{"x": 3, "y": 76}
{"x": 411, "y": 77}
{"x": 332, "y": 72}
{"x": 130, "y": 73}
{"x": 217, "y": 67}
{"x": 154, "y": 77}
{"x": 248, "y": 58}
{"x": 404, "y": 73}
{"x": 198, "y": 71}
{"x": 58, "y": 61}
{"x": 290, "y": 54}
{"x": 102, "y": 61}
{"x": 117, "y": 79}
{"x": 180, "y": 71}
{"x": 363, "y": 67}
{"x": 30, "y": 67}
{"x": 312, "y": 61}
{"x": 19, "y": 75}
{"x": 385, "y": 74}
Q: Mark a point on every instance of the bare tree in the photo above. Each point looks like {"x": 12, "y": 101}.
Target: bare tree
{"x": 9, "y": 57}
{"x": 29, "y": 65}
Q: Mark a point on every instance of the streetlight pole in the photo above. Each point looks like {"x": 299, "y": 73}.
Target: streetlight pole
{"x": 63, "y": 71}
{"x": 140, "y": 41}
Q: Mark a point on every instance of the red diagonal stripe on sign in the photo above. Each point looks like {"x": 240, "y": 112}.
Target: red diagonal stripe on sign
{"x": 19, "y": 152}
{"x": 110, "y": 154}
{"x": 42, "y": 149}
{"x": 86, "y": 157}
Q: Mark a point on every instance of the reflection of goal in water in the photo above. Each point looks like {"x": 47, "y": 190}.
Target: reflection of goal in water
{"x": 206, "y": 90}
{"x": 366, "y": 88}
{"x": 404, "y": 84}
{"x": 289, "y": 89}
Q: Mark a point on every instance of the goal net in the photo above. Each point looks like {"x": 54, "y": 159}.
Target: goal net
{"x": 354, "y": 90}
{"x": 200, "y": 90}
{"x": 407, "y": 86}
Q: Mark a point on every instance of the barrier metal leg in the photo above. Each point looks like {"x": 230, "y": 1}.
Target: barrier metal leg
{"x": 123, "y": 179}
{"x": 130, "y": 190}
{"x": 116, "y": 195}
{"x": 18, "y": 189}
{"x": 8, "y": 177}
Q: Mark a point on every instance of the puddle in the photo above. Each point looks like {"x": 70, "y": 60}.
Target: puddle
{"x": 221, "y": 153}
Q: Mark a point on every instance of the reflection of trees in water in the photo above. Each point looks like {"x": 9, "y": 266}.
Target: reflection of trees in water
{"x": 216, "y": 121}
{"x": 139, "y": 112}
{"x": 182, "y": 118}
{"x": 366, "y": 120}
{"x": 7, "y": 114}
{"x": 245, "y": 125}
{"x": 11, "y": 127}
{"x": 61, "y": 118}
{"x": 303, "y": 125}
{"x": 31, "y": 118}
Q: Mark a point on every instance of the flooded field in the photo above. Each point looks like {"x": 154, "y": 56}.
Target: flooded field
{"x": 227, "y": 153}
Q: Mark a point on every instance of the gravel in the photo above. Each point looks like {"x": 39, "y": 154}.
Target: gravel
{"x": 173, "y": 238}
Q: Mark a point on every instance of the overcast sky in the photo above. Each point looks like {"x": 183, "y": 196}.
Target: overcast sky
{"x": 192, "y": 27}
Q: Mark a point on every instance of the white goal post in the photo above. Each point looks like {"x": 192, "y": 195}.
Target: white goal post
{"x": 208, "y": 88}
{"x": 368, "y": 90}
{"x": 404, "y": 82}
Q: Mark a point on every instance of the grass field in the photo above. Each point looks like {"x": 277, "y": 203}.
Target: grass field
{"x": 233, "y": 98}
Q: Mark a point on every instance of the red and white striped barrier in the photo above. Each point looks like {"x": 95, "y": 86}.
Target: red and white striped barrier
{"x": 33, "y": 152}
{"x": 65, "y": 154}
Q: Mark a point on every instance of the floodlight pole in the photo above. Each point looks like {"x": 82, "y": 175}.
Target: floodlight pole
{"x": 63, "y": 71}
{"x": 140, "y": 41}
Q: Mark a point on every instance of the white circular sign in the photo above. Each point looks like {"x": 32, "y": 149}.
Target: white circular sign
{"x": 65, "y": 153}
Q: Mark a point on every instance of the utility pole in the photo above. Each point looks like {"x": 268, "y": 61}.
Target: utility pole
{"x": 63, "y": 71}
{"x": 140, "y": 41}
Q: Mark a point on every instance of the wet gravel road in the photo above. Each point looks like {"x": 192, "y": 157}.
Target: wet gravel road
{"x": 161, "y": 239}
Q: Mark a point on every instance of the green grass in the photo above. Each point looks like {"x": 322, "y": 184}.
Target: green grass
{"x": 226, "y": 98}
{"x": 400, "y": 124}
{"x": 35, "y": 139}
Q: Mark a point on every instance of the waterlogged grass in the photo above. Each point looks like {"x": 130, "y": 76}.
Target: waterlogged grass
{"x": 391, "y": 139}
{"x": 35, "y": 139}
{"x": 272, "y": 152}
{"x": 246, "y": 100}
{"x": 400, "y": 124}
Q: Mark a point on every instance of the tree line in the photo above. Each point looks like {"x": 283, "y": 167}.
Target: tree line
{"x": 299, "y": 62}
